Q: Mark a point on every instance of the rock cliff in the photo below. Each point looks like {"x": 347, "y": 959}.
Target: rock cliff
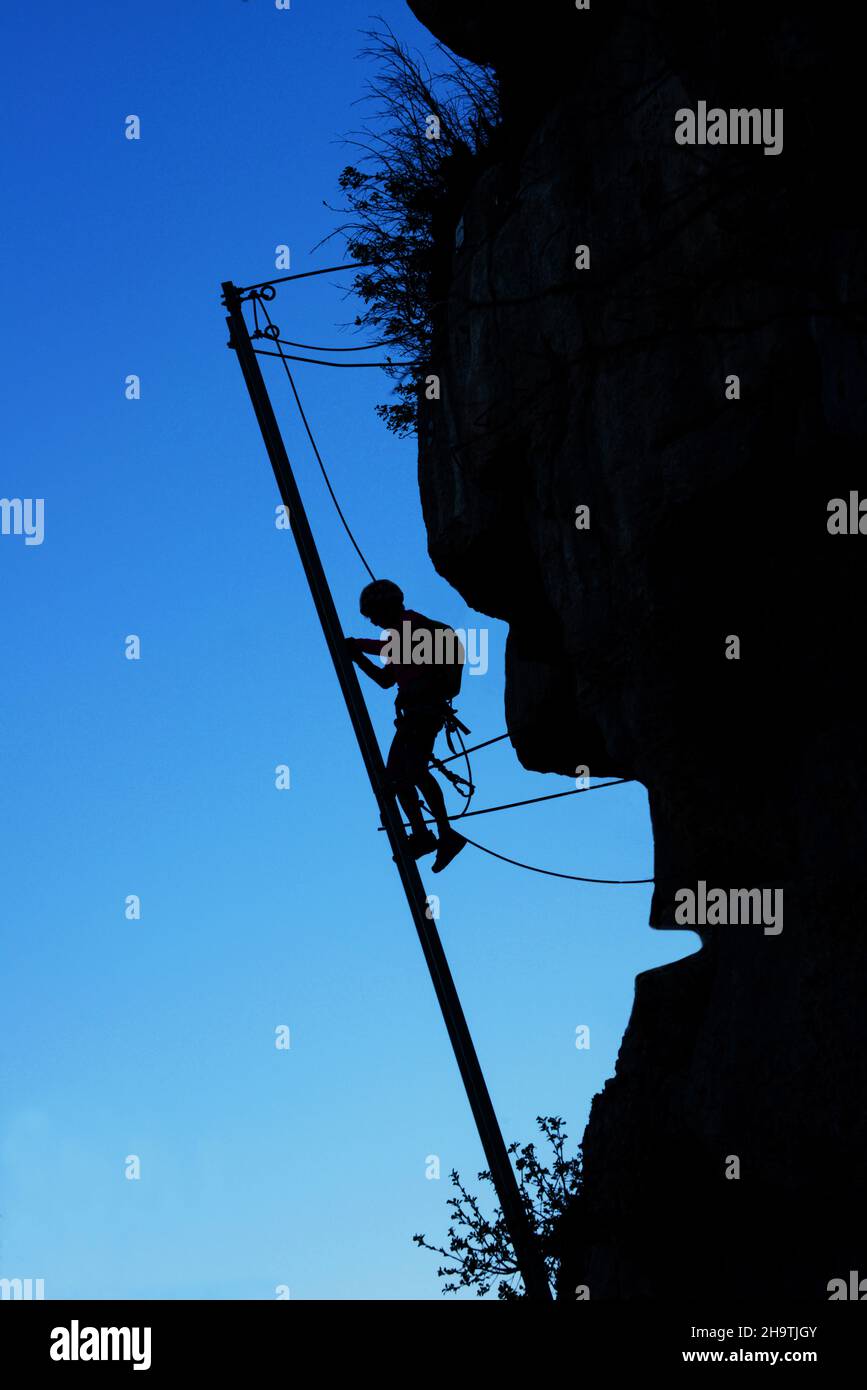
{"x": 610, "y": 387}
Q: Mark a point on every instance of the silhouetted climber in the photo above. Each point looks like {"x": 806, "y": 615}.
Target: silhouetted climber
{"x": 424, "y": 659}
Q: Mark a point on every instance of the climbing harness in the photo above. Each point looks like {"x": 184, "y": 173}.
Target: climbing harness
{"x": 453, "y": 728}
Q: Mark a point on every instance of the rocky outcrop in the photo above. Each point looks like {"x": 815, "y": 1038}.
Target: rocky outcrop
{"x": 610, "y": 388}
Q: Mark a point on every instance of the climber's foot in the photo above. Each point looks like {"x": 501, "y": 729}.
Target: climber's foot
{"x": 420, "y": 845}
{"x": 451, "y": 843}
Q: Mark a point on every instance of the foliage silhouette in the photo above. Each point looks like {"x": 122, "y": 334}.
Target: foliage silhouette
{"x": 479, "y": 1249}
{"x": 403, "y": 197}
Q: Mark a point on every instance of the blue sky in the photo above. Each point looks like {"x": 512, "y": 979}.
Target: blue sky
{"x": 260, "y": 907}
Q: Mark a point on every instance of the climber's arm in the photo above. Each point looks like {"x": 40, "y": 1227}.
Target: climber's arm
{"x": 382, "y": 675}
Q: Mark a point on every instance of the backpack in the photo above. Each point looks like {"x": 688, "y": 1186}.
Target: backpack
{"x": 450, "y": 674}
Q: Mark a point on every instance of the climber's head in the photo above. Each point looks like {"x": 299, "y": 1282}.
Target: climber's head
{"x": 382, "y": 603}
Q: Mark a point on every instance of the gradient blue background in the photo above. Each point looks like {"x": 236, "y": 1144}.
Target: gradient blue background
{"x": 156, "y": 777}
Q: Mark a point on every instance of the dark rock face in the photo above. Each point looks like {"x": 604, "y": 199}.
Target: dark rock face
{"x": 606, "y": 387}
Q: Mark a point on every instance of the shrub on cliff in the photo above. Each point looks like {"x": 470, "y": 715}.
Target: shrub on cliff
{"x": 403, "y": 196}
{"x": 479, "y": 1250}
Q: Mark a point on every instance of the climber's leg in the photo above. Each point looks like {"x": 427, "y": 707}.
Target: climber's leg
{"x": 450, "y": 841}
{"x": 402, "y": 766}
{"x": 408, "y": 759}
{"x": 432, "y": 793}
{"x": 409, "y": 804}
{"x": 450, "y": 844}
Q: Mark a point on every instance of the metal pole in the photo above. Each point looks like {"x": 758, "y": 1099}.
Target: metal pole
{"x": 527, "y": 1252}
